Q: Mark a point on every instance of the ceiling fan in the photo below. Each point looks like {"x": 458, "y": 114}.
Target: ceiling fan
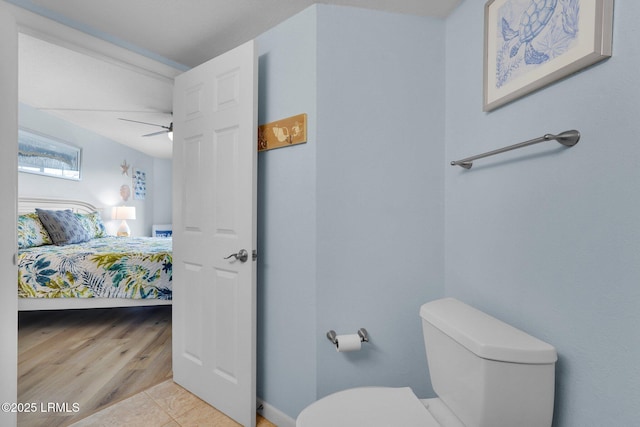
{"x": 166, "y": 129}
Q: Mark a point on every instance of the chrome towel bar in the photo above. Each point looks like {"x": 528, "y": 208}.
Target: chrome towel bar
{"x": 567, "y": 138}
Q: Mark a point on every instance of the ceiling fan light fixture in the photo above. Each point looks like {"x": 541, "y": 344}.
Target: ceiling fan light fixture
{"x": 170, "y": 132}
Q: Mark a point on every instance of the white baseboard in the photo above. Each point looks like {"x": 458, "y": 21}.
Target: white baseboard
{"x": 274, "y": 415}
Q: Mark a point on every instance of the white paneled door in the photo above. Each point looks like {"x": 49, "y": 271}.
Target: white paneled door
{"x": 214, "y": 232}
{"x": 8, "y": 245}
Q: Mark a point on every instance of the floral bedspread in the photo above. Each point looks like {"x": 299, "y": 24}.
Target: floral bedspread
{"x": 108, "y": 267}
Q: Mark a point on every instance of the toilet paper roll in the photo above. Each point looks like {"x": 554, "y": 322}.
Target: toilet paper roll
{"x": 348, "y": 343}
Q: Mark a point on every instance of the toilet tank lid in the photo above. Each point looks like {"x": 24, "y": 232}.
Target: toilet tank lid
{"x": 485, "y": 335}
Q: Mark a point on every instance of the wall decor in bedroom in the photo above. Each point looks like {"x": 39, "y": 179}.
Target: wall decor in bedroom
{"x": 44, "y": 155}
{"x": 125, "y": 192}
{"x": 529, "y": 44}
{"x": 139, "y": 184}
{"x": 125, "y": 168}
{"x": 283, "y": 133}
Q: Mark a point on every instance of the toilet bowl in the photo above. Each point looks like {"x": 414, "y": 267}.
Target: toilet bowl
{"x": 377, "y": 406}
{"x": 368, "y": 406}
{"x": 486, "y": 374}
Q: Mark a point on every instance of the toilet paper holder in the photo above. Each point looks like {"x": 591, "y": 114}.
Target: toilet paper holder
{"x": 362, "y": 333}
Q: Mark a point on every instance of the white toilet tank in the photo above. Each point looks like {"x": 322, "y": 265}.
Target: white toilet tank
{"x": 488, "y": 373}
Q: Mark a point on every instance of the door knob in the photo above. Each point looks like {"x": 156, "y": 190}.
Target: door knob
{"x": 241, "y": 256}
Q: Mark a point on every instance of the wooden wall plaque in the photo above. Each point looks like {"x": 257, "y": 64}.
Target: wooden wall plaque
{"x": 282, "y": 133}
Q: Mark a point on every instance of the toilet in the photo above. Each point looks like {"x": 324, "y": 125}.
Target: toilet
{"x": 485, "y": 373}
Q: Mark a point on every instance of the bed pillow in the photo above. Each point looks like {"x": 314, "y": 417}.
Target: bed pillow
{"x": 31, "y": 232}
{"x": 63, "y": 227}
{"x": 92, "y": 222}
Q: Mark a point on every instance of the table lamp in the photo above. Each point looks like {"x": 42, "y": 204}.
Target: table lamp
{"x": 124, "y": 213}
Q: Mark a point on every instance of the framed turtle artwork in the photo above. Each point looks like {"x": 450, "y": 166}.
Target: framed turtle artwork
{"x": 529, "y": 44}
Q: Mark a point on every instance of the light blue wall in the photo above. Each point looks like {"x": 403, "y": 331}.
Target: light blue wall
{"x": 287, "y": 219}
{"x": 350, "y": 223}
{"x": 380, "y": 192}
{"x": 547, "y": 238}
{"x": 162, "y": 195}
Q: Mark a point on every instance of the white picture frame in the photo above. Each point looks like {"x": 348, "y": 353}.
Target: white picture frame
{"x": 529, "y": 45}
{"x": 139, "y": 184}
{"x": 42, "y": 154}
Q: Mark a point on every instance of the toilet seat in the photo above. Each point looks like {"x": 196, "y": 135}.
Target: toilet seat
{"x": 368, "y": 406}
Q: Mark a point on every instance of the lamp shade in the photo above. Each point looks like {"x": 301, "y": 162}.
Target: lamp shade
{"x": 124, "y": 212}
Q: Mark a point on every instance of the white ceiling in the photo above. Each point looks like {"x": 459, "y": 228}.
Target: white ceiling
{"x": 94, "y": 93}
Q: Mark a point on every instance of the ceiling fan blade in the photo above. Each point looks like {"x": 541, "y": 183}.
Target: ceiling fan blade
{"x": 144, "y": 123}
{"x": 156, "y": 133}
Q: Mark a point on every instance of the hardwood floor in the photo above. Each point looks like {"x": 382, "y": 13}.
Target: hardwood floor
{"x": 73, "y": 363}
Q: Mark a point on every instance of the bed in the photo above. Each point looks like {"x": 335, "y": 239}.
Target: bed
{"x": 99, "y": 271}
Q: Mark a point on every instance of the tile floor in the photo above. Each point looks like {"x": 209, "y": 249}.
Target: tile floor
{"x": 165, "y": 405}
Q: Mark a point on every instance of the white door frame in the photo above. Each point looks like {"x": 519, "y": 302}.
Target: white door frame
{"x": 8, "y": 212}
{"x": 54, "y": 32}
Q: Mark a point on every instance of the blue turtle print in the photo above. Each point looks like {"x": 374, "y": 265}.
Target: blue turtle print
{"x": 552, "y": 25}
{"x": 532, "y": 21}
